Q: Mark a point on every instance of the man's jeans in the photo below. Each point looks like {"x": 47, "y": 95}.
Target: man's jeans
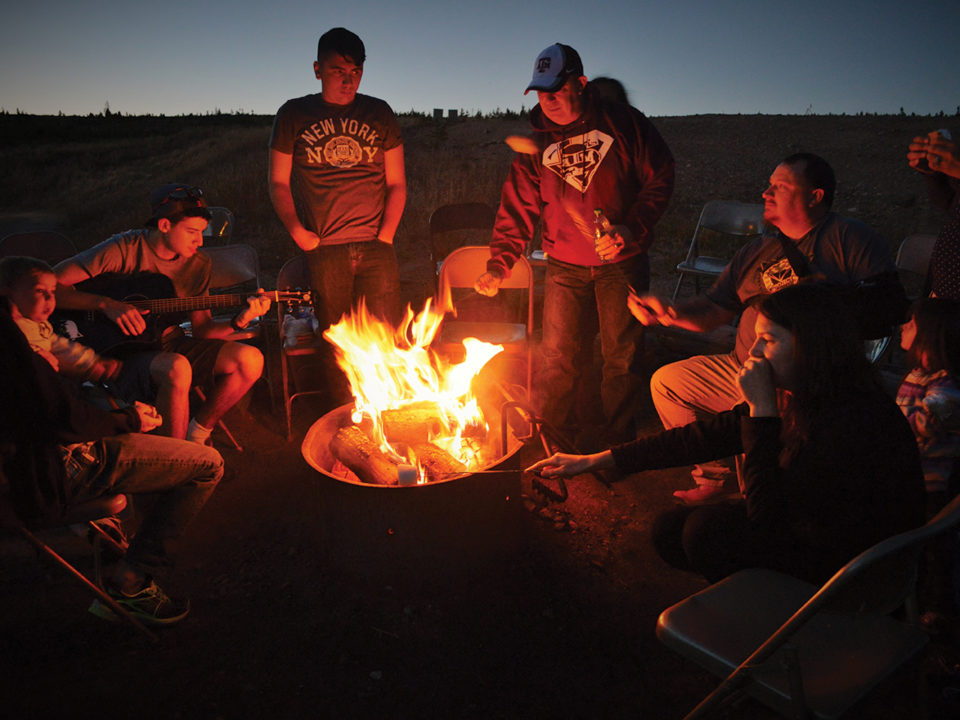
{"x": 340, "y": 275}
{"x": 694, "y": 389}
{"x": 570, "y": 291}
{"x": 180, "y": 474}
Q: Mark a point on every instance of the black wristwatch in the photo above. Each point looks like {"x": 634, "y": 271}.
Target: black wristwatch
{"x": 236, "y": 325}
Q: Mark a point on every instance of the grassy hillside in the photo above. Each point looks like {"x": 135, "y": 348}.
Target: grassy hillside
{"x": 93, "y": 175}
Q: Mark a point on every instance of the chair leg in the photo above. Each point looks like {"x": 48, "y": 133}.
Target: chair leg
{"x": 100, "y": 537}
{"x": 42, "y": 547}
{"x": 284, "y": 381}
{"x": 220, "y": 424}
{"x": 676, "y": 290}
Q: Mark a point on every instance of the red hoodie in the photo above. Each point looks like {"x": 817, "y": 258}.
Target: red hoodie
{"x": 611, "y": 158}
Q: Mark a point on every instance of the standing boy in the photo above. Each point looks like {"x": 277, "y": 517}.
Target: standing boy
{"x": 337, "y": 182}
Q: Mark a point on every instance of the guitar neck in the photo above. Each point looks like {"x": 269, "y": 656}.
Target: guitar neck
{"x": 202, "y": 302}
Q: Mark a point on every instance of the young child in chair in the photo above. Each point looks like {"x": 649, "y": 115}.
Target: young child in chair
{"x": 929, "y": 397}
{"x": 930, "y": 393}
{"x": 30, "y": 285}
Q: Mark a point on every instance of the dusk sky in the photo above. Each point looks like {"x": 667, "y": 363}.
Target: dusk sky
{"x": 675, "y": 58}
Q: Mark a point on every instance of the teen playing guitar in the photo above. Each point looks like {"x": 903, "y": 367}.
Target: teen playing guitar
{"x": 170, "y": 246}
{"x": 153, "y": 296}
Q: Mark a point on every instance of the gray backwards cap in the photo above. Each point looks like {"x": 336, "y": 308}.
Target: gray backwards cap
{"x": 553, "y": 66}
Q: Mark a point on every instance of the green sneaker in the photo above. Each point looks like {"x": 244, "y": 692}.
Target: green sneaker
{"x": 151, "y": 606}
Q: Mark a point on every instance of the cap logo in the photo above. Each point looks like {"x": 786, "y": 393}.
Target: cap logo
{"x": 543, "y": 64}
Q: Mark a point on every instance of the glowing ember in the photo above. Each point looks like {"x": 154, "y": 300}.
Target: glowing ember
{"x": 395, "y": 369}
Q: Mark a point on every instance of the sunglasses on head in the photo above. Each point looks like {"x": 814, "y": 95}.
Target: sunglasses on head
{"x": 183, "y": 193}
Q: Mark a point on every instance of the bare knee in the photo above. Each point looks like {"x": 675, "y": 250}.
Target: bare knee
{"x": 171, "y": 370}
{"x": 248, "y": 362}
{"x": 241, "y": 361}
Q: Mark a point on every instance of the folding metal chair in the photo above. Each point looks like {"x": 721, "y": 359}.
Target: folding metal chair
{"x": 85, "y": 514}
{"x": 804, "y": 650}
{"x": 913, "y": 261}
{"x": 220, "y": 227}
{"x": 456, "y": 225}
{"x": 458, "y": 272}
{"x": 47, "y": 245}
{"x": 293, "y": 275}
{"x": 724, "y": 218}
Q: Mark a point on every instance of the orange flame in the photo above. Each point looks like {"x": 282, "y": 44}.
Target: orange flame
{"x": 391, "y": 368}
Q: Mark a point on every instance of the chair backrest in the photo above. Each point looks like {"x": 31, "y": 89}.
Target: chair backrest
{"x": 293, "y": 275}
{"x": 913, "y": 260}
{"x": 461, "y": 268}
{"x": 233, "y": 267}
{"x": 878, "y": 580}
{"x": 47, "y": 245}
{"x": 220, "y": 228}
{"x": 882, "y": 577}
{"x": 464, "y": 265}
{"x": 732, "y": 218}
{"x": 459, "y": 224}
{"x": 725, "y": 218}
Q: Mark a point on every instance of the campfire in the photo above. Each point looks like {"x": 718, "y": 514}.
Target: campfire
{"x": 415, "y": 417}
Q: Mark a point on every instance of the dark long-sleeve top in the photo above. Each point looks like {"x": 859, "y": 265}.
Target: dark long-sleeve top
{"x": 856, "y": 481}
{"x": 74, "y": 419}
{"x": 40, "y": 409}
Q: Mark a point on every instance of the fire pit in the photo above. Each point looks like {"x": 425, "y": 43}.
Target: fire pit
{"x": 401, "y": 533}
{"x": 418, "y": 474}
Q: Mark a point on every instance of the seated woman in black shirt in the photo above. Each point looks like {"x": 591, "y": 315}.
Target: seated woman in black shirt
{"x": 830, "y": 465}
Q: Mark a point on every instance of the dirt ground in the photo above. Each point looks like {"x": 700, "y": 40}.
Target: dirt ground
{"x": 555, "y": 621}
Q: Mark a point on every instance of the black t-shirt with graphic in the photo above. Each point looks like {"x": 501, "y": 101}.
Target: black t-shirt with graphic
{"x": 840, "y": 251}
{"x": 338, "y": 163}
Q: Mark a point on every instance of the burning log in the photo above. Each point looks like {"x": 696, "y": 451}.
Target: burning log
{"x": 417, "y": 423}
{"x": 411, "y": 424}
{"x": 438, "y": 463}
{"x": 358, "y": 452}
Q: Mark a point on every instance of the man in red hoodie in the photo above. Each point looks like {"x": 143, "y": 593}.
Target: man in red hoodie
{"x": 591, "y": 155}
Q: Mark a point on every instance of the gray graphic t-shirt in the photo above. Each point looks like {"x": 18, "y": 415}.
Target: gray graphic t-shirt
{"x": 338, "y": 163}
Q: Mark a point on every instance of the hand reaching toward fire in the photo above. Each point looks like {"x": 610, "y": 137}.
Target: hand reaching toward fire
{"x": 650, "y": 309}
{"x": 565, "y": 465}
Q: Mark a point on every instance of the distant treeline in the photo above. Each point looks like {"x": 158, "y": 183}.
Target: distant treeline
{"x": 22, "y": 128}
{"x": 19, "y": 127}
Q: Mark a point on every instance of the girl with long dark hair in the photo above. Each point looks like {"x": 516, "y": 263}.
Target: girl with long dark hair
{"x": 830, "y": 465}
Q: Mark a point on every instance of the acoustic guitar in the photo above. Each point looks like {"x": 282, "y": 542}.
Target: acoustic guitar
{"x": 154, "y": 294}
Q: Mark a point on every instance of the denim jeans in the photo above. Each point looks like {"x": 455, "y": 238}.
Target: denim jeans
{"x": 180, "y": 474}
{"x": 340, "y": 275}
{"x": 569, "y": 292}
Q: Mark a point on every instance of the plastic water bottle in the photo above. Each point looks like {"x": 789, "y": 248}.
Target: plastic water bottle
{"x": 299, "y": 325}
